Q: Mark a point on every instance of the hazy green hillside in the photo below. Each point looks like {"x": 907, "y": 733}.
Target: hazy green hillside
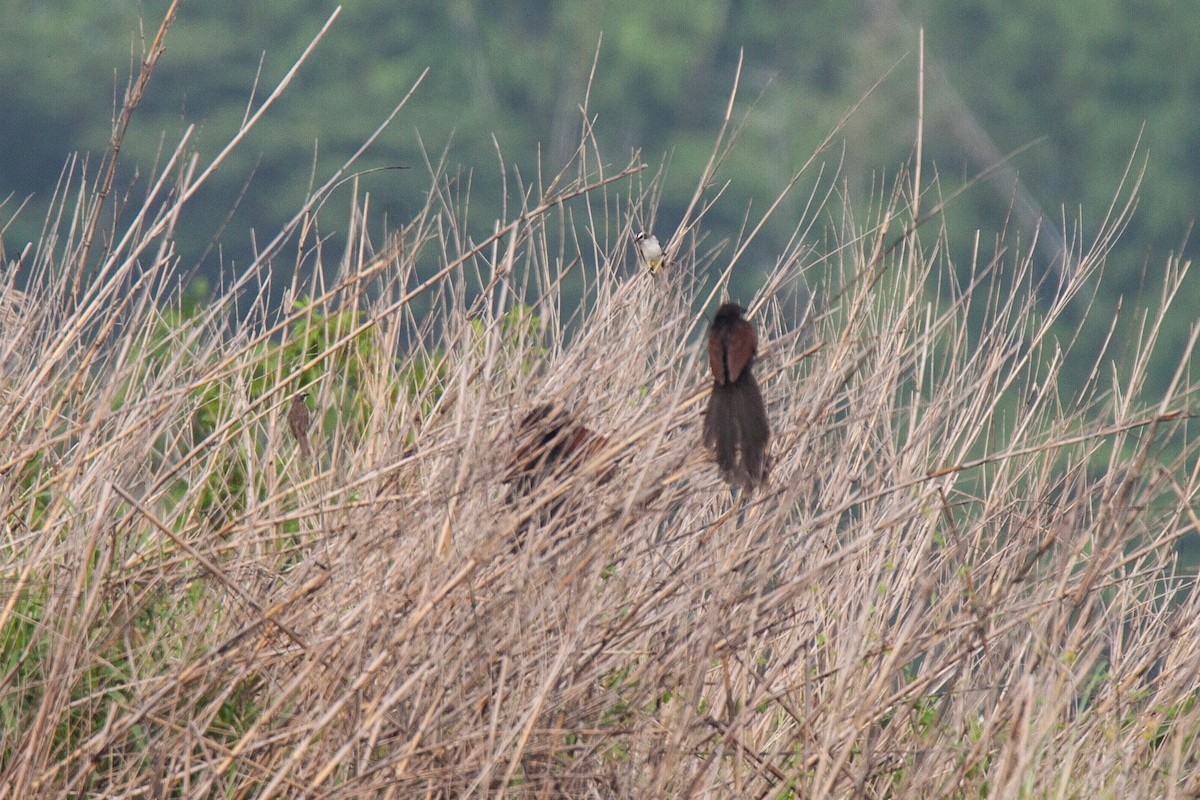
{"x": 507, "y": 80}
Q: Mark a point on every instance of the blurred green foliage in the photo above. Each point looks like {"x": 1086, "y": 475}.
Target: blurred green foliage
{"x": 1087, "y": 75}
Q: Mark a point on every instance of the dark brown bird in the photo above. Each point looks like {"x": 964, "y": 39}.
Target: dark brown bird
{"x": 550, "y": 441}
{"x": 736, "y": 420}
{"x": 298, "y": 422}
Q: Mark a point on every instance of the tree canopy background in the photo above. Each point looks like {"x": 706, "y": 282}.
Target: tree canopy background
{"x": 1084, "y": 82}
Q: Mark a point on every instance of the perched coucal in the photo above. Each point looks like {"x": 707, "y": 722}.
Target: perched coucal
{"x": 550, "y": 441}
{"x": 298, "y": 422}
{"x": 736, "y": 420}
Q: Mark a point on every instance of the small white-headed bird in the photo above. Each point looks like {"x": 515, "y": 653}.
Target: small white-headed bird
{"x": 650, "y": 250}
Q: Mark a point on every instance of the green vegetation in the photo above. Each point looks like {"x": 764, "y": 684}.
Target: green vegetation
{"x": 1083, "y": 83}
{"x": 961, "y": 579}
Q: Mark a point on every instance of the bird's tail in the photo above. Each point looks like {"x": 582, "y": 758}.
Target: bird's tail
{"x": 736, "y": 421}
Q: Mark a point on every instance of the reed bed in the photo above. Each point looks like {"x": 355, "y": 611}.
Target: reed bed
{"x": 961, "y": 579}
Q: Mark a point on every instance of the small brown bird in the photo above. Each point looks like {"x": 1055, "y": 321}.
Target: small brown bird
{"x": 550, "y": 442}
{"x": 736, "y": 420}
{"x": 298, "y": 422}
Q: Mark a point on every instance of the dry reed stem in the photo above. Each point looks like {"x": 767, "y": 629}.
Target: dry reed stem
{"x": 958, "y": 580}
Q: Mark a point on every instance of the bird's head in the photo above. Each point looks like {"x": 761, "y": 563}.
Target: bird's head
{"x": 729, "y": 312}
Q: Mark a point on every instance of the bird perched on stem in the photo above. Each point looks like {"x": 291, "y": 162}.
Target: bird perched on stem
{"x": 298, "y": 422}
{"x": 650, "y": 251}
{"x": 550, "y": 442}
{"x": 736, "y": 420}
{"x": 550, "y": 445}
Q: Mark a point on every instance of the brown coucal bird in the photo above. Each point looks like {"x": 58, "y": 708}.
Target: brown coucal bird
{"x": 736, "y": 421}
{"x": 550, "y": 441}
{"x": 298, "y": 422}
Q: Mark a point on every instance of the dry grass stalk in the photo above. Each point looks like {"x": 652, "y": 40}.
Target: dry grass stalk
{"x": 957, "y": 581}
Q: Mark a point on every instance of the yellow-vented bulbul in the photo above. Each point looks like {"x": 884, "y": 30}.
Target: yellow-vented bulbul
{"x": 651, "y": 251}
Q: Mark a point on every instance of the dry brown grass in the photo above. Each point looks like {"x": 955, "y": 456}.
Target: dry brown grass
{"x": 960, "y": 581}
